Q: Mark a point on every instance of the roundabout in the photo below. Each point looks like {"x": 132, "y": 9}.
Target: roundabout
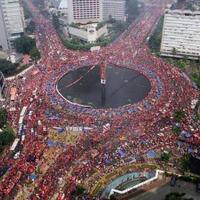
{"x": 136, "y": 89}
{"x": 74, "y": 138}
{"x": 123, "y": 86}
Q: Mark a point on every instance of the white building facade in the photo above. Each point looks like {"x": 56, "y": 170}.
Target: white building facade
{"x": 90, "y": 33}
{"x": 114, "y": 9}
{"x": 181, "y": 34}
{"x": 84, "y": 11}
{"x": 11, "y": 22}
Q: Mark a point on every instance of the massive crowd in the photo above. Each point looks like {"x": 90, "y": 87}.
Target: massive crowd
{"x": 134, "y": 129}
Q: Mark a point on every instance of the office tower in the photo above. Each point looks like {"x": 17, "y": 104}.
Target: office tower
{"x": 114, "y": 9}
{"x": 181, "y": 34}
{"x": 84, "y": 11}
{"x": 11, "y": 22}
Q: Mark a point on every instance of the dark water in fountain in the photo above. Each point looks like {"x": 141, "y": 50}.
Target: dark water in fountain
{"x": 123, "y": 86}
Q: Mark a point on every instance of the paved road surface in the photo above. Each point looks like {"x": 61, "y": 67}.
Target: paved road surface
{"x": 160, "y": 193}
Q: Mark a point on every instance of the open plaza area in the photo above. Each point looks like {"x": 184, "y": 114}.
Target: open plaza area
{"x": 67, "y": 140}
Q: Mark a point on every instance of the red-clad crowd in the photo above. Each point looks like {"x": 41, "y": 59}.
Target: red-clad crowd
{"x": 134, "y": 131}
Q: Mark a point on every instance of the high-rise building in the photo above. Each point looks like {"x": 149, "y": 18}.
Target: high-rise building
{"x": 11, "y": 22}
{"x": 114, "y": 9}
{"x": 84, "y": 11}
{"x": 181, "y": 34}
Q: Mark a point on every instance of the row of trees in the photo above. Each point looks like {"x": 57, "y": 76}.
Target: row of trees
{"x": 27, "y": 45}
{"x": 196, "y": 78}
{"x": 184, "y": 161}
{"x": 155, "y": 39}
{"x": 6, "y": 132}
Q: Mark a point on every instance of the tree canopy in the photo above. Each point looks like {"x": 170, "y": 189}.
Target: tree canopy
{"x": 6, "y": 133}
{"x": 176, "y": 130}
{"x": 155, "y": 39}
{"x": 3, "y": 117}
{"x": 34, "y": 53}
{"x": 176, "y": 196}
{"x": 179, "y": 115}
{"x": 165, "y": 157}
{"x": 196, "y": 78}
{"x": 7, "y": 136}
{"x": 27, "y": 45}
{"x": 119, "y": 26}
{"x": 78, "y": 191}
{"x": 55, "y": 21}
{"x": 24, "y": 44}
{"x": 184, "y": 162}
{"x": 6, "y": 67}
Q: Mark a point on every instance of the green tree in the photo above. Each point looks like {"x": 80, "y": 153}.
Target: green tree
{"x": 176, "y": 196}
{"x": 181, "y": 63}
{"x": 35, "y": 54}
{"x": 1, "y": 148}
{"x": 79, "y": 190}
{"x": 196, "y": 78}
{"x": 176, "y": 130}
{"x": 55, "y": 21}
{"x": 100, "y": 25}
{"x": 179, "y": 115}
{"x": 155, "y": 39}
{"x": 112, "y": 197}
{"x": 24, "y": 44}
{"x": 7, "y": 136}
{"x": 3, "y": 117}
{"x": 165, "y": 157}
{"x": 119, "y": 26}
{"x": 184, "y": 163}
{"x": 7, "y": 67}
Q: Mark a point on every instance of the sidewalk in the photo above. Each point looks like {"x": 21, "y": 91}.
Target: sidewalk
{"x": 20, "y": 74}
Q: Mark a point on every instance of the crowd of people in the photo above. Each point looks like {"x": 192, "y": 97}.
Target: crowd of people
{"x": 134, "y": 129}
